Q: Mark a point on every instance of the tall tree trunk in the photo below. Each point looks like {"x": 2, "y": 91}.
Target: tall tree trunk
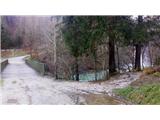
{"x": 56, "y": 74}
{"x": 138, "y": 57}
{"x": 112, "y": 65}
{"x": 138, "y": 49}
{"x": 55, "y": 54}
{"x": 77, "y": 69}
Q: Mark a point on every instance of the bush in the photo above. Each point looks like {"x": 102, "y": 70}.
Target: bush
{"x": 148, "y": 70}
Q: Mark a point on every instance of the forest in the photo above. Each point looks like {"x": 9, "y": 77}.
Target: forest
{"x": 89, "y": 48}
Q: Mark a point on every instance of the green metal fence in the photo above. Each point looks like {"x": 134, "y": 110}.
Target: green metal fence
{"x": 4, "y": 64}
{"x": 38, "y": 66}
{"x": 90, "y": 76}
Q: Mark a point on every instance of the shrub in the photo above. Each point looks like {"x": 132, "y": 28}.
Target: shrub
{"x": 148, "y": 70}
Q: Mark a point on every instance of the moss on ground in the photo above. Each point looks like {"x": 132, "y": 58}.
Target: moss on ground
{"x": 156, "y": 74}
{"x": 146, "y": 94}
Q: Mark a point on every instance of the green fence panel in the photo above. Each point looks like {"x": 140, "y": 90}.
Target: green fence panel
{"x": 101, "y": 75}
{"x": 4, "y": 63}
{"x": 38, "y": 66}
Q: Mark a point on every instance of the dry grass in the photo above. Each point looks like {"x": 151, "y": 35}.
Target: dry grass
{"x": 145, "y": 80}
{"x": 149, "y": 76}
{"x": 12, "y": 53}
{"x": 148, "y": 70}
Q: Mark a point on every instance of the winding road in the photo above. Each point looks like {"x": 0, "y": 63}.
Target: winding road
{"x": 23, "y": 85}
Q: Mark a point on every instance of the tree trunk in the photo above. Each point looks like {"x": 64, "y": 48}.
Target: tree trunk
{"x": 95, "y": 65}
{"x": 138, "y": 49}
{"x": 143, "y": 57}
{"x": 138, "y": 57}
{"x": 150, "y": 55}
{"x": 112, "y": 66}
{"x": 118, "y": 60}
{"x": 77, "y": 69}
{"x": 56, "y": 74}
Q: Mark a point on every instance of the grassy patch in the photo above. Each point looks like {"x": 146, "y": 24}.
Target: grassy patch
{"x": 13, "y": 53}
{"x": 147, "y": 94}
{"x": 156, "y": 74}
{"x": 19, "y": 53}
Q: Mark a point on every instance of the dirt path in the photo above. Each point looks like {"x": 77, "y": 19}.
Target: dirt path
{"x": 23, "y": 85}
